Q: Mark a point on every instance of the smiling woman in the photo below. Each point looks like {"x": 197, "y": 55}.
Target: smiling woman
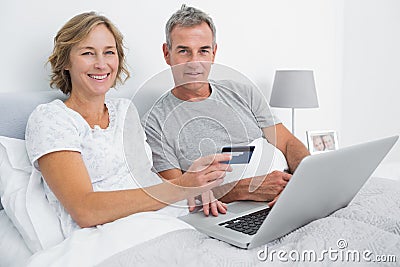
{"x": 74, "y": 32}
{"x": 93, "y": 70}
{"x": 87, "y": 132}
{"x": 95, "y": 57}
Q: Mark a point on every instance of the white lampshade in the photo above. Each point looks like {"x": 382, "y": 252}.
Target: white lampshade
{"x": 294, "y": 89}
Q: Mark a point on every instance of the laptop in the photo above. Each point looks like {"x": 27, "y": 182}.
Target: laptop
{"x": 321, "y": 184}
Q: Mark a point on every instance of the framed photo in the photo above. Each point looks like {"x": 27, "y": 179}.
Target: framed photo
{"x": 322, "y": 141}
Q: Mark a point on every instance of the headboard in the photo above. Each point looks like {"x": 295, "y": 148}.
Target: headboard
{"x": 15, "y": 109}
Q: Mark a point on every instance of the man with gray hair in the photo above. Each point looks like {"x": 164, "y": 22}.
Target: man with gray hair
{"x": 199, "y": 116}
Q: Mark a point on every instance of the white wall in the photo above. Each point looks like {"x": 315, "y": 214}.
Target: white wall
{"x": 371, "y": 73}
{"x": 254, "y": 37}
{"x": 348, "y": 47}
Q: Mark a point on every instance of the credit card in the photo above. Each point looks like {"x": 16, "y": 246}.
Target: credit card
{"x": 240, "y": 154}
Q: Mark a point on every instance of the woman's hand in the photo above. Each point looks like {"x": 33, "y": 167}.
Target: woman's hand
{"x": 208, "y": 172}
{"x": 205, "y": 173}
{"x": 209, "y": 203}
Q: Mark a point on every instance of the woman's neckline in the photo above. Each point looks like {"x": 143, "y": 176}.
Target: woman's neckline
{"x": 109, "y": 109}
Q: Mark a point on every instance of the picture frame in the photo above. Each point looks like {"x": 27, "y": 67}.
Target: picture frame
{"x": 322, "y": 141}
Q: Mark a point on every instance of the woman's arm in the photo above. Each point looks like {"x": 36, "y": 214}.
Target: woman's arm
{"x": 67, "y": 176}
{"x": 210, "y": 203}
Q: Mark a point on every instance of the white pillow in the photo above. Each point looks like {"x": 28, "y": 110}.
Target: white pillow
{"x": 23, "y": 197}
{"x": 13, "y": 250}
{"x": 265, "y": 159}
{"x": 389, "y": 170}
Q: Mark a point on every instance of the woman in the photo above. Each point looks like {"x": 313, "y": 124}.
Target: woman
{"x": 78, "y": 145}
{"x": 318, "y": 143}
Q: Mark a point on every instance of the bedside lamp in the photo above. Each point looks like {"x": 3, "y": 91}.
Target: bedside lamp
{"x": 294, "y": 89}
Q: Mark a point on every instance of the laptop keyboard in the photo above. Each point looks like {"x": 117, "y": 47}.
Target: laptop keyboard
{"x": 247, "y": 224}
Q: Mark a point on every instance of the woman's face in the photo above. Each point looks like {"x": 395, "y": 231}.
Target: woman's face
{"x": 94, "y": 63}
{"x": 318, "y": 143}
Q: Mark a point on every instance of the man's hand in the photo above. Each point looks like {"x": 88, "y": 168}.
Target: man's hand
{"x": 268, "y": 187}
{"x": 259, "y": 188}
{"x": 209, "y": 203}
{"x": 271, "y": 186}
{"x": 272, "y": 203}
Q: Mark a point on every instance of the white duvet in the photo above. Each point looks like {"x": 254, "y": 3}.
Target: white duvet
{"x": 90, "y": 246}
{"x": 370, "y": 223}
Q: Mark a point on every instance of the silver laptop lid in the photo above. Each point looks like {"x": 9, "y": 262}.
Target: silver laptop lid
{"x": 322, "y": 184}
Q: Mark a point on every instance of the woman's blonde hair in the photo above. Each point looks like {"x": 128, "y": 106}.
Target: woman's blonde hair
{"x": 73, "y": 32}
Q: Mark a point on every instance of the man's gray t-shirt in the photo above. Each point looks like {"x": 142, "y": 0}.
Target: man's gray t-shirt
{"x": 180, "y": 131}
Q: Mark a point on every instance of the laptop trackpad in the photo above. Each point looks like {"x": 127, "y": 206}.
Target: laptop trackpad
{"x": 242, "y": 206}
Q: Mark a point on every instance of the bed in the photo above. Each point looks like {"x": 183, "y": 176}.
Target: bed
{"x": 368, "y": 229}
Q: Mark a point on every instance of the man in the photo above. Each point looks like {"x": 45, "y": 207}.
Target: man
{"x": 199, "y": 116}
{"x": 329, "y": 142}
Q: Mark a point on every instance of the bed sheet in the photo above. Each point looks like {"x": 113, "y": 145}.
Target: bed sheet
{"x": 13, "y": 251}
{"x": 369, "y": 224}
{"x": 366, "y": 232}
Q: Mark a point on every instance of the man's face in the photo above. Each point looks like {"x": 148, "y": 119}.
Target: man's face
{"x": 191, "y": 56}
{"x": 328, "y": 142}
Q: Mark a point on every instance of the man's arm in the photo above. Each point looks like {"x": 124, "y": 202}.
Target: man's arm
{"x": 270, "y": 187}
{"x": 170, "y": 174}
{"x": 293, "y": 149}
